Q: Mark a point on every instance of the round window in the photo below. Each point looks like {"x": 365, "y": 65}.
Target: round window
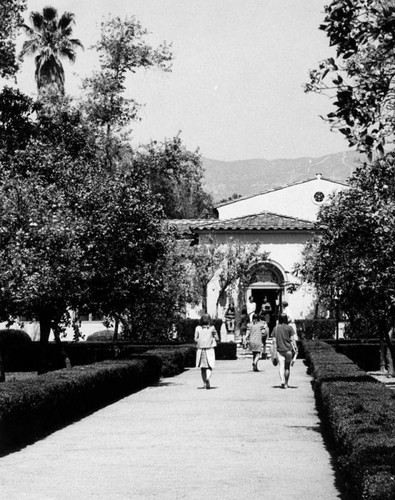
{"x": 319, "y": 197}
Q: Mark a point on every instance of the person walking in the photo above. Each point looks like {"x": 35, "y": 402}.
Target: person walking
{"x": 285, "y": 345}
{"x": 266, "y": 310}
{"x": 251, "y": 307}
{"x": 230, "y": 315}
{"x": 206, "y": 338}
{"x": 291, "y": 320}
{"x": 243, "y": 324}
{"x": 255, "y": 333}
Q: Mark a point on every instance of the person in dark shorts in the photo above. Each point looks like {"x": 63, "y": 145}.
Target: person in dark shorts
{"x": 284, "y": 338}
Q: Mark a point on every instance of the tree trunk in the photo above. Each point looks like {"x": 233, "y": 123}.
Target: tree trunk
{"x": 59, "y": 344}
{"x": 390, "y": 353}
{"x": 383, "y": 349}
{"x": 45, "y": 330}
{"x": 2, "y": 371}
{"x": 116, "y": 329}
{"x": 204, "y": 299}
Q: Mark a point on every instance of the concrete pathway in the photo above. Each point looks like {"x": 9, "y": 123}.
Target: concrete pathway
{"x": 246, "y": 438}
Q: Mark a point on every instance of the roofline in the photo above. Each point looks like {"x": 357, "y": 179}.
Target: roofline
{"x": 201, "y": 228}
{"x": 242, "y": 198}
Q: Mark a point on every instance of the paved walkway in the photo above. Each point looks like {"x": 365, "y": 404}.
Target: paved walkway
{"x": 246, "y": 438}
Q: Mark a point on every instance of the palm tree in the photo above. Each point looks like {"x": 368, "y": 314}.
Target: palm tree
{"x": 49, "y": 39}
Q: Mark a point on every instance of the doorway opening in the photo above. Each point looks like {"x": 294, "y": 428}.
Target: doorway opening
{"x": 273, "y": 296}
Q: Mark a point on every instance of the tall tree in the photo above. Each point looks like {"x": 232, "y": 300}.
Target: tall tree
{"x": 10, "y": 22}
{"x": 176, "y": 176}
{"x": 122, "y": 50}
{"x": 354, "y": 256}
{"x": 49, "y": 39}
{"x": 361, "y": 76}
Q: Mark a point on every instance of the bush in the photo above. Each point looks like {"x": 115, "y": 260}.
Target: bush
{"x": 186, "y": 329}
{"x": 174, "y": 361}
{"x": 101, "y": 336}
{"x": 359, "y": 413}
{"x": 13, "y": 336}
{"x": 308, "y": 329}
{"x": 32, "y": 408}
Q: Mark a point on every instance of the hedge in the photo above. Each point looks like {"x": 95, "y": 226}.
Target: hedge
{"x": 308, "y": 329}
{"x": 186, "y": 329}
{"x": 30, "y": 409}
{"x": 173, "y": 360}
{"x": 359, "y": 414}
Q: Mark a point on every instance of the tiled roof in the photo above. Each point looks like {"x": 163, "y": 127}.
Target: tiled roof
{"x": 265, "y": 221}
{"x": 183, "y": 226}
{"x": 279, "y": 188}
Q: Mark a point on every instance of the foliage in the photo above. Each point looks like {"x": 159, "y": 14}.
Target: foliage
{"x": 175, "y": 175}
{"x": 362, "y": 74}
{"x": 359, "y": 413}
{"x": 354, "y": 256}
{"x": 10, "y": 22}
{"x": 13, "y": 336}
{"x": 315, "y": 328}
{"x": 16, "y": 123}
{"x": 33, "y": 408}
{"x": 101, "y": 336}
{"x": 49, "y": 39}
{"x": 122, "y": 50}
{"x": 234, "y": 196}
{"x": 228, "y": 263}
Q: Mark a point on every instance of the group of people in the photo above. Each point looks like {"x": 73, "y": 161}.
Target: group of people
{"x": 254, "y": 330}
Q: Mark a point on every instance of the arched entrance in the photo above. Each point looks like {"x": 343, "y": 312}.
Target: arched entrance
{"x": 266, "y": 283}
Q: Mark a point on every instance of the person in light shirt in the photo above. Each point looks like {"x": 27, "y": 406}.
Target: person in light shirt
{"x": 251, "y": 307}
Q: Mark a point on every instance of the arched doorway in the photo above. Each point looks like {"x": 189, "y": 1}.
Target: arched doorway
{"x": 266, "y": 283}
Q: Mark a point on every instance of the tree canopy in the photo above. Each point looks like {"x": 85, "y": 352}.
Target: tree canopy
{"x": 354, "y": 256}
{"x": 50, "y": 40}
{"x": 361, "y": 76}
{"x": 10, "y": 22}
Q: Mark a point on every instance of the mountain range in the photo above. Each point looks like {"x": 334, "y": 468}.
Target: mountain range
{"x": 222, "y": 179}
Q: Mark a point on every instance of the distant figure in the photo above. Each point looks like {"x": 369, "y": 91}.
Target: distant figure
{"x": 206, "y": 338}
{"x": 251, "y": 307}
{"x": 243, "y": 324}
{"x": 266, "y": 310}
{"x": 291, "y": 321}
{"x": 230, "y": 317}
{"x": 284, "y": 339}
{"x": 255, "y": 332}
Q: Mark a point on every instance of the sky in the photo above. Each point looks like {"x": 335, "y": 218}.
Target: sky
{"x": 236, "y": 86}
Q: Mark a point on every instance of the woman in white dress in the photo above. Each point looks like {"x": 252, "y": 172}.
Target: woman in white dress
{"x": 206, "y": 338}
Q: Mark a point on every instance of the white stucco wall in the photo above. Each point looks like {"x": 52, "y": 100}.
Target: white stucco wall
{"x": 285, "y": 249}
{"x": 295, "y": 200}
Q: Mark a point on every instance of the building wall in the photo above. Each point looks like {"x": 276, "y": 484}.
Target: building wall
{"x": 284, "y": 248}
{"x": 295, "y": 201}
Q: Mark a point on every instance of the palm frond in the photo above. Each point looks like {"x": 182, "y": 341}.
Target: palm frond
{"x": 50, "y": 14}
{"x": 76, "y": 43}
{"x": 29, "y": 47}
{"x": 66, "y": 20}
{"x": 68, "y": 53}
{"x": 37, "y": 20}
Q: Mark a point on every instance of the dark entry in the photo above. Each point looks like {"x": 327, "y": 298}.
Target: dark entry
{"x": 271, "y": 295}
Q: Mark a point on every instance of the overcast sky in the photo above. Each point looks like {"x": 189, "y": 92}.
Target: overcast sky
{"x": 236, "y": 89}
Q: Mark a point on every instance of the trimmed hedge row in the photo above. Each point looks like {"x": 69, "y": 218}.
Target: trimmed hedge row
{"x": 30, "y": 409}
{"x": 173, "y": 360}
{"x": 308, "y": 329}
{"x": 359, "y": 413}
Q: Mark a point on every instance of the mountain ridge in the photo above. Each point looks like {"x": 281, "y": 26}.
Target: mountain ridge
{"x": 222, "y": 178}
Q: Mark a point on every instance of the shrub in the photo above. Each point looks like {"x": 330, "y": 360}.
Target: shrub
{"x": 13, "y": 336}
{"x": 359, "y": 413}
{"x": 186, "y": 329}
{"x": 308, "y": 329}
{"x": 101, "y": 336}
{"x": 174, "y": 361}
{"x": 32, "y": 408}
